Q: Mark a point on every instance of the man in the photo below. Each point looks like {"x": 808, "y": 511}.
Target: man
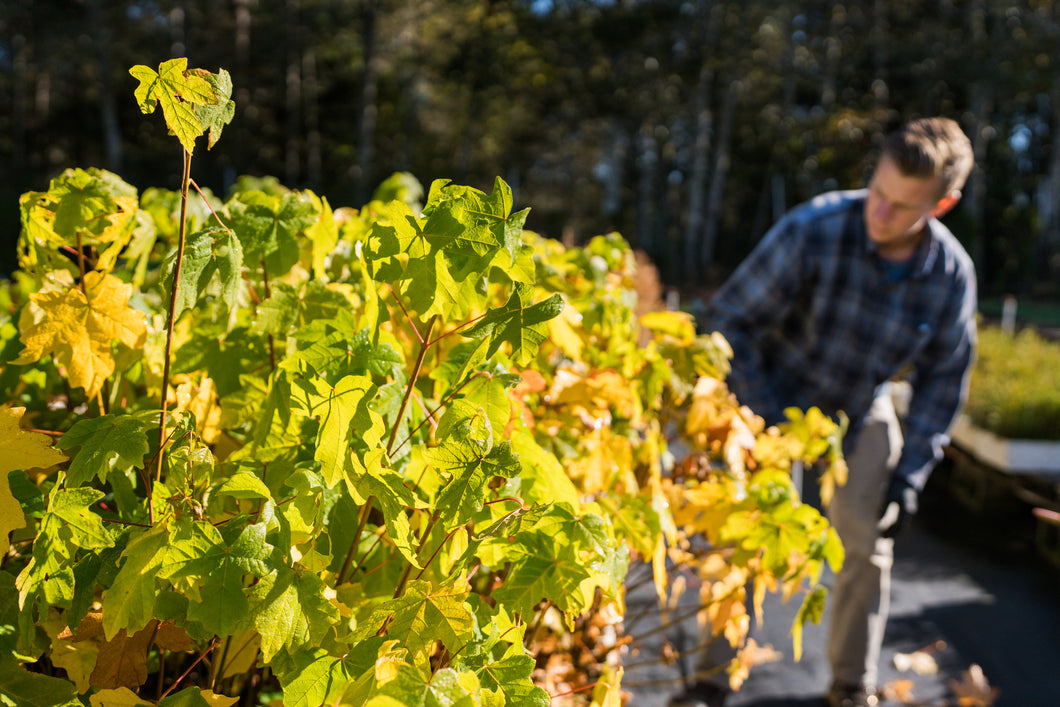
{"x": 846, "y": 293}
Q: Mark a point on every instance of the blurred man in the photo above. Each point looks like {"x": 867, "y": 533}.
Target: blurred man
{"x": 845, "y": 294}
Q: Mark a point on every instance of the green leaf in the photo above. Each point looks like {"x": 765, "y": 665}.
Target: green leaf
{"x": 511, "y": 677}
{"x": 335, "y": 347}
{"x": 291, "y": 611}
{"x": 518, "y": 322}
{"x": 243, "y": 485}
{"x": 214, "y": 116}
{"x": 211, "y": 251}
{"x": 317, "y": 677}
{"x": 267, "y": 224}
{"x": 424, "y": 613}
{"x": 25, "y": 689}
{"x": 106, "y": 442}
{"x": 278, "y": 312}
{"x": 130, "y": 600}
{"x": 346, "y": 420}
{"x": 178, "y": 90}
{"x": 86, "y": 528}
{"x": 541, "y": 574}
{"x": 188, "y": 697}
{"x": 394, "y": 498}
{"x": 469, "y": 470}
{"x": 236, "y": 551}
{"x": 465, "y": 220}
{"x": 430, "y": 287}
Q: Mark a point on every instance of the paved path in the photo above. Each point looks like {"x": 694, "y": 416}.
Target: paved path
{"x": 961, "y": 592}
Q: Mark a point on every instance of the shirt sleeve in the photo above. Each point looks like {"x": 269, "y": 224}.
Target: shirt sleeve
{"x": 756, "y": 298}
{"x": 940, "y": 385}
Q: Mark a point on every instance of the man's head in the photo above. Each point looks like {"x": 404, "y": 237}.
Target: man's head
{"x": 932, "y": 148}
{"x": 920, "y": 175}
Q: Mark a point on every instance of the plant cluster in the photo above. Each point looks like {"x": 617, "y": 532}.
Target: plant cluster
{"x": 1015, "y": 387}
{"x": 264, "y": 451}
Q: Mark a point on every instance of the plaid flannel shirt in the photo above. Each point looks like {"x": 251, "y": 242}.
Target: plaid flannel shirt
{"x": 814, "y": 320}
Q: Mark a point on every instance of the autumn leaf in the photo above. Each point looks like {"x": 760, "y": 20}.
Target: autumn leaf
{"x": 76, "y": 327}
{"x": 22, "y": 450}
{"x": 973, "y": 689}
{"x": 182, "y": 94}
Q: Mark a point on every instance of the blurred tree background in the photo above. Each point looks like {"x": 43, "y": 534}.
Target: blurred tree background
{"x": 686, "y": 126}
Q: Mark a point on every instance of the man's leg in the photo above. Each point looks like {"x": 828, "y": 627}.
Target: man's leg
{"x": 861, "y": 596}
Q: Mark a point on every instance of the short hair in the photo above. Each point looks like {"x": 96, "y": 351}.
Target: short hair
{"x": 932, "y": 147}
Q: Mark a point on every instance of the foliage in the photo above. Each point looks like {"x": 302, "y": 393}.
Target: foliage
{"x": 357, "y": 457}
{"x": 1015, "y": 387}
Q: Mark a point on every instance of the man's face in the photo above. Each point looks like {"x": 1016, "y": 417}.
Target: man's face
{"x": 897, "y": 208}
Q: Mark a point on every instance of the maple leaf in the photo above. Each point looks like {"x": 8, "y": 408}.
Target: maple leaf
{"x": 469, "y": 469}
{"x": 424, "y": 613}
{"x": 518, "y": 322}
{"x": 22, "y": 450}
{"x": 76, "y": 327}
{"x": 180, "y": 92}
{"x": 82, "y": 208}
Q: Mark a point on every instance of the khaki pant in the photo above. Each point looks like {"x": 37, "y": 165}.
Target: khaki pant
{"x": 860, "y": 598}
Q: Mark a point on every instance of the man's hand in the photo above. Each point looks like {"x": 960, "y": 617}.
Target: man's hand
{"x": 899, "y": 503}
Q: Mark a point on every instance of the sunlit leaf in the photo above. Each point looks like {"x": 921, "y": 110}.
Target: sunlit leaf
{"x": 76, "y": 327}
{"x": 180, "y": 92}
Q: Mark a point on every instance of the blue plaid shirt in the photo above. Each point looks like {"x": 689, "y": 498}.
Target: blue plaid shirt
{"x": 816, "y": 319}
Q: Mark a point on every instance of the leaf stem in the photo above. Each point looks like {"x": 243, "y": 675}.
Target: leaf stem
{"x": 208, "y": 204}
{"x": 185, "y": 179}
{"x": 362, "y": 520}
{"x": 272, "y": 342}
{"x": 424, "y": 346}
{"x": 213, "y": 644}
{"x": 437, "y": 550}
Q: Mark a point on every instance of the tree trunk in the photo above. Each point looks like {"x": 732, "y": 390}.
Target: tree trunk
{"x": 719, "y": 173}
{"x": 697, "y": 184}
{"x": 241, "y": 80}
{"x": 314, "y": 156}
{"x": 647, "y": 164}
{"x": 293, "y": 93}
{"x": 369, "y": 106}
{"x": 102, "y": 37}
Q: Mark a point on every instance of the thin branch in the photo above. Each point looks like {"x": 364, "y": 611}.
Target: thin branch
{"x": 185, "y": 178}
{"x": 413, "y": 377}
{"x": 208, "y": 204}
{"x": 213, "y": 644}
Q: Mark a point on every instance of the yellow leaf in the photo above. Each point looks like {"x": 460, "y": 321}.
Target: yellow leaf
{"x": 679, "y": 325}
{"x": 77, "y": 659}
{"x": 201, "y": 401}
{"x": 22, "y": 450}
{"x": 608, "y": 690}
{"x": 76, "y": 327}
{"x": 563, "y": 330}
{"x": 242, "y": 653}
{"x": 215, "y": 700}
{"x": 121, "y": 697}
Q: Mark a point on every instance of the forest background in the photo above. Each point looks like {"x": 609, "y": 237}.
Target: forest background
{"x": 689, "y": 127}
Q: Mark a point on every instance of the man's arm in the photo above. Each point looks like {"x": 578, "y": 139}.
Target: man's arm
{"x": 755, "y": 298}
{"x": 940, "y": 389}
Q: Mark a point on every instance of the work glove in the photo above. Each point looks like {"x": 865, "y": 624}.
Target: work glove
{"x": 899, "y": 503}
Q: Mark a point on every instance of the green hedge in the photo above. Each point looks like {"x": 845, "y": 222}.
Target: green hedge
{"x": 1015, "y": 388}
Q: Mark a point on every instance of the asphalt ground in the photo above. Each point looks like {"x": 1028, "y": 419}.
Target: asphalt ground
{"x": 968, "y": 589}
